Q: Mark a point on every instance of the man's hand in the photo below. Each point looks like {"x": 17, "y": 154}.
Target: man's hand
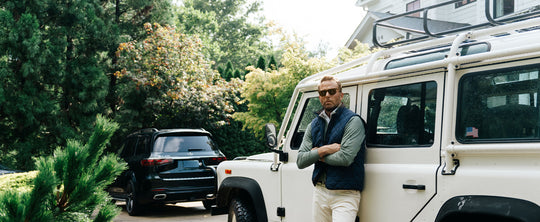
{"x": 327, "y": 150}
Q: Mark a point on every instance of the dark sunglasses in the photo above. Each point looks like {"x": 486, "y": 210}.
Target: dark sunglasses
{"x": 331, "y": 91}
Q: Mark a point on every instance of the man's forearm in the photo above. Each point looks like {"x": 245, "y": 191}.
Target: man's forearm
{"x": 328, "y": 149}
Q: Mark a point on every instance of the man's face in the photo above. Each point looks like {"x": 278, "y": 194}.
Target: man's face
{"x": 330, "y": 102}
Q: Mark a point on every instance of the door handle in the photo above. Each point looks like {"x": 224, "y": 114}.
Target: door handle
{"x": 416, "y": 187}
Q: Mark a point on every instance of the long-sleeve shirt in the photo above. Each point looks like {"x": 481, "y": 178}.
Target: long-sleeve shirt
{"x": 351, "y": 143}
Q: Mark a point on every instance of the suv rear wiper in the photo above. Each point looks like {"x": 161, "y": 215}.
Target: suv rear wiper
{"x": 191, "y": 150}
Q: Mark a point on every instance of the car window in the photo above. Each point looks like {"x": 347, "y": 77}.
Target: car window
{"x": 311, "y": 106}
{"x": 402, "y": 116}
{"x": 142, "y": 145}
{"x": 499, "y": 105}
{"x": 128, "y": 147}
{"x": 184, "y": 144}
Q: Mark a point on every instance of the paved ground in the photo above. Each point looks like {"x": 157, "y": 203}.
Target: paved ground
{"x": 185, "y": 212}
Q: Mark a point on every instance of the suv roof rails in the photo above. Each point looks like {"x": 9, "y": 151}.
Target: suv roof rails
{"x": 148, "y": 130}
{"x": 427, "y": 33}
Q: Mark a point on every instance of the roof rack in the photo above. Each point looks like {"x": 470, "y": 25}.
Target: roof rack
{"x": 427, "y": 33}
{"x": 148, "y": 130}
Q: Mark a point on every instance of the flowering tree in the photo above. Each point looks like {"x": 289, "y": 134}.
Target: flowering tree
{"x": 268, "y": 93}
{"x": 165, "y": 81}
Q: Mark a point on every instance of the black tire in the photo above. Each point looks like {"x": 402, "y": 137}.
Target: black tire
{"x": 208, "y": 204}
{"x": 133, "y": 207}
{"x": 241, "y": 210}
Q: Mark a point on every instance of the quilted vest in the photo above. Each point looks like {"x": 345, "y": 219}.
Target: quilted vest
{"x": 337, "y": 177}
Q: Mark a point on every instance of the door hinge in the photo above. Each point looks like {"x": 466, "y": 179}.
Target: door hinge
{"x": 281, "y": 211}
{"x": 453, "y": 170}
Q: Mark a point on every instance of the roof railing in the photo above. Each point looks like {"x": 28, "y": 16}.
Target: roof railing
{"x": 426, "y": 33}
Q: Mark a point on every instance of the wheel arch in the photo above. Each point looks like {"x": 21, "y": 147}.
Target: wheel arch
{"x": 469, "y": 207}
{"x": 238, "y": 186}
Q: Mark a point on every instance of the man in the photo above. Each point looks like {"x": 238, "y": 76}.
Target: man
{"x": 334, "y": 142}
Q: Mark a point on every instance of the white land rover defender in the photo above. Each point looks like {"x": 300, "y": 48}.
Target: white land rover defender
{"x": 453, "y": 131}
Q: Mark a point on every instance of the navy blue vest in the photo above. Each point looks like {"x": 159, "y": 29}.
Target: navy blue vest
{"x": 337, "y": 177}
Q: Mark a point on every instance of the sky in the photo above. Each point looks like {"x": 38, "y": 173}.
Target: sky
{"x": 329, "y": 22}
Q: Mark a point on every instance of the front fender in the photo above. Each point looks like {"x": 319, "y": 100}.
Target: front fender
{"x": 232, "y": 186}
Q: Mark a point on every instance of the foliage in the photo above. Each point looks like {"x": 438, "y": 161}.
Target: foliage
{"x": 235, "y": 142}
{"x": 268, "y": 93}
{"x": 52, "y": 62}
{"x": 128, "y": 16}
{"x": 231, "y": 30}
{"x": 261, "y": 63}
{"x": 360, "y": 50}
{"x": 272, "y": 64}
{"x": 166, "y": 82}
{"x": 18, "y": 182}
{"x": 70, "y": 185}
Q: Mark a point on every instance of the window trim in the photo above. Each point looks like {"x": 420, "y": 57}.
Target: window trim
{"x": 496, "y": 5}
{"x": 412, "y": 4}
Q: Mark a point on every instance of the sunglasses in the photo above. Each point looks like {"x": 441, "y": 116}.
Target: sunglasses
{"x": 331, "y": 91}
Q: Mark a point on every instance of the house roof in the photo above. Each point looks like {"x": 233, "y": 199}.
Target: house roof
{"x": 364, "y": 30}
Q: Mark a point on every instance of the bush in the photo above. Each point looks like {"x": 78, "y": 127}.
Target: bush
{"x": 68, "y": 186}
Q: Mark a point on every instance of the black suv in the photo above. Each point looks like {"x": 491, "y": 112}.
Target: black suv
{"x": 167, "y": 166}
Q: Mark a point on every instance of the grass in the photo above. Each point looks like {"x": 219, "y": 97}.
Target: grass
{"x": 21, "y": 182}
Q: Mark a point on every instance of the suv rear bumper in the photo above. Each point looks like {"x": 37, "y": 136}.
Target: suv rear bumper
{"x": 172, "y": 196}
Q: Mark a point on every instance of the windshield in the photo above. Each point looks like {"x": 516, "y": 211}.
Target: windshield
{"x": 184, "y": 144}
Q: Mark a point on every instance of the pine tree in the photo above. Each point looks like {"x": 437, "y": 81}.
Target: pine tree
{"x": 52, "y": 62}
{"x": 238, "y": 74}
{"x": 261, "y": 63}
{"x": 272, "y": 64}
{"x": 229, "y": 71}
{"x": 70, "y": 185}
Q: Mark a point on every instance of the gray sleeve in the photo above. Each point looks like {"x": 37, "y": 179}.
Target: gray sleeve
{"x": 306, "y": 156}
{"x": 350, "y": 144}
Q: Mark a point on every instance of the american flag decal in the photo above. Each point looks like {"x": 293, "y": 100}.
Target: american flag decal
{"x": 471, "y": 131}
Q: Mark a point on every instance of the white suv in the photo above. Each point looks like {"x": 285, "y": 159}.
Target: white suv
{"x": 453, "y": 134}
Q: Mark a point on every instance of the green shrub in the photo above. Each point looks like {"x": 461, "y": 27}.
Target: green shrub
{"x": 68, "y": 186}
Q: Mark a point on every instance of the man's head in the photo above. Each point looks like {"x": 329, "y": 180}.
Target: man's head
{"x": 330, "y": 93}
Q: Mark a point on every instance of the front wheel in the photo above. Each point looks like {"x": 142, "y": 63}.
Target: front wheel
{"x": 241, "y": 210}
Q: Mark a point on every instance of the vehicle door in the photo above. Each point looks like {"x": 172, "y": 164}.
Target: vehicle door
{"x": 403, "y": 145}
{"x": 297, "y": 189}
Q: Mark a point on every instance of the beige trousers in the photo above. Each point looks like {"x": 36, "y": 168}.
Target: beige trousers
{"x": 335, "y": 205}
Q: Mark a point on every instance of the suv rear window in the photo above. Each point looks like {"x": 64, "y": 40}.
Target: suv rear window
{"x": 499, "y": 105}
{"x": 183, "y": 144}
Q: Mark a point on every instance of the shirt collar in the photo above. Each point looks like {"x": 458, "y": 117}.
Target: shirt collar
{"x": 326, "y": 117}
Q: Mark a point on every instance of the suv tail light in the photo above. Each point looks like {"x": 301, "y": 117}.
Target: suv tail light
{"x": 215, "y": 160}
{"x": 155, "y": 162}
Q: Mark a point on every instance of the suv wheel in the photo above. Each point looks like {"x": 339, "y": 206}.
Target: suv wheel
{"x": 132, "y": 206}
{"x": 241, "y": 210}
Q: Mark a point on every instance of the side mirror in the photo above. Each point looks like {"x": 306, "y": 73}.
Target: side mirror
{"x": 272, "y": 143}
{"x": 271, "y": 137}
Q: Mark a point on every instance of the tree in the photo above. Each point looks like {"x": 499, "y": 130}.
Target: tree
{"x": 261, "y": 63}
{"x": 229, "y": 71}
{"x": 231, "y": 30}
{"x": 360, "y": 50}
{"x": 52, "y": 70}
{"x": 267, "y": 94}
{"x": 70, "y": 185}
{"x": 166, "y": 82}
{"x": 129, "y": 18}
{"x": 272, "y": 64}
